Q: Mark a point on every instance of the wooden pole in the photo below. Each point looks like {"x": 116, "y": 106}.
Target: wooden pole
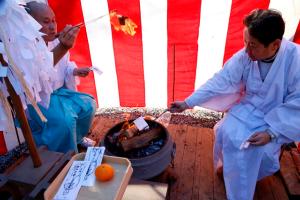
{"x": 20, "y": 114}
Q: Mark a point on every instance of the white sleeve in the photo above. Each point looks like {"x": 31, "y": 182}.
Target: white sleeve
{"x": 71, "y": 81}
{"x": 223, "y": 89}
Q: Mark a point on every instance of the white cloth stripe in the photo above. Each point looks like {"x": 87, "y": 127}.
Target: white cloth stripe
{"x": 155, "y": 56}
{"x": 101, "y": 51}
{"x": 290, "y": 10}
{"x": 212, "y": 38}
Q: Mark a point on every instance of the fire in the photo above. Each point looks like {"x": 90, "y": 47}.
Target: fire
{"x": 123, "y": 23}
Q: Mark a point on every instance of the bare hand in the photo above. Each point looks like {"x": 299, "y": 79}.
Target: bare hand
{"x": 178, "y": 106}
{"x": 260, "y": 138}
{"x": 82, "y": 72}
{"x": 67, "y": 37}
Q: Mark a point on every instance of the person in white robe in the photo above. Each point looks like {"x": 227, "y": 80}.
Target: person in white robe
{"x": 259, "y": 87}
{"x": 70, "y": 113}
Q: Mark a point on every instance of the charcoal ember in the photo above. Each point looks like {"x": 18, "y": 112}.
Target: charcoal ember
{"x": 152, "y": 148}
{"x": 116, "y": 135}
{"x": 131, "y": 132}
{"x": 111, "y": 139}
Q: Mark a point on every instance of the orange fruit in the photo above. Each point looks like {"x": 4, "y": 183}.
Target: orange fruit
{"x": 104, "y": 172}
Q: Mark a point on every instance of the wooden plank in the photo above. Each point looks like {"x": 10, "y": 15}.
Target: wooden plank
{"x": 279, "y": 192}
{"x": 179, "y": 136}
{"x": 198, "y": 164}
{"x": 27, "y": 174}
{"x": 219, "y": 185}
{"x": 206, "y": 167}
{"x": 296, "y": 158}
{"x": 289, "y": 174}
{"x": 263, "y": 190}
{"x": 270, "y": 188}
{"x": 185, "y": 189}
{"x": 219, "y": 188}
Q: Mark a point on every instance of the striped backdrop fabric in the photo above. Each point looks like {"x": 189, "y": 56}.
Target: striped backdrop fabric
{"x": 179, "y": 44}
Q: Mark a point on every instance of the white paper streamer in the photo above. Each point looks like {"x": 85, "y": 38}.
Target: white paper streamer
{"x": 29, "y": 59}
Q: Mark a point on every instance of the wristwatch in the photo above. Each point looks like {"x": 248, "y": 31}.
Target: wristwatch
{"x": 272, "y": 135}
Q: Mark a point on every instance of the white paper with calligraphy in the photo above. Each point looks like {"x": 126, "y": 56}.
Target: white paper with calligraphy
{"x": 71, "y": 185}
{"x": 95, "y": 156}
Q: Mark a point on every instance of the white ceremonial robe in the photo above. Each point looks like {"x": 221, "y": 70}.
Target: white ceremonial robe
{"x": 64, "y": 71}
{"x": 253, "y": 105}
{"x": 69, "y": 114}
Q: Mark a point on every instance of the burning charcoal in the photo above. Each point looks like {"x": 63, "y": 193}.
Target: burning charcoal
{"x": 115, "y": 135}
{"x": 132, "y": 131}
{"x": 110, "y": 139}
{"x": 159, "y": 142}
{"x": 152, "y": 149}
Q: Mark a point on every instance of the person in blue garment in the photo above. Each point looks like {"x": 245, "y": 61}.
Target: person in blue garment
{"x": 70, "y": 113}
{"x": 259, "y": 87}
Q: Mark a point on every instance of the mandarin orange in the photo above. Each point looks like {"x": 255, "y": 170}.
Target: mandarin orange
{"x": 104, "y": 172}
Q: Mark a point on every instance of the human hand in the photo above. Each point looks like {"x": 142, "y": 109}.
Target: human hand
{"x": 178, "y": 106}
{"x": 68, "y": 35}
{"x": 82, "y": 72}
{"x": 260, "y": 138}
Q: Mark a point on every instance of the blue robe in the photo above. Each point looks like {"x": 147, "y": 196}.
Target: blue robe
{"x": 69, "y": 118}
{"x": 253, "y": 105}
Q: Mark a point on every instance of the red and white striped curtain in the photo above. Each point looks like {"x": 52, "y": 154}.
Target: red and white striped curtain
{"x": 179, "y": 44}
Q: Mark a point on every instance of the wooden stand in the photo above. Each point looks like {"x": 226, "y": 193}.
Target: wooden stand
{"x": 20, "y": 114}
{"x": 26, "y": 175}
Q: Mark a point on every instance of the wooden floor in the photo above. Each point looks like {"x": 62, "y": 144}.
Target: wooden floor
{"x": 194, "y": 165}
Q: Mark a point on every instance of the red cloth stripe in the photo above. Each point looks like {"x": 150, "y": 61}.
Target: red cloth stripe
{"x": 183, "y": 30}
{"x": 3, "y": 148}
{"x": 297, "y": 34}
{"x": 239, "y": 9}
{"x": 71, "y": 13}
{"x": 128, "y": 53}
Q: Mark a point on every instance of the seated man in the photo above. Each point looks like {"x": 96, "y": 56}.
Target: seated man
{"x": 263, "y": 81}
{"x": 70, "y": 113}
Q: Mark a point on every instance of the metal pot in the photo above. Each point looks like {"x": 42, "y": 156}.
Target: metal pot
{"x": 146, "y": 165}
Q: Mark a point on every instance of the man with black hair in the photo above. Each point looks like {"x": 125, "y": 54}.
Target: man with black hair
{"x": 259, "y": 87}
